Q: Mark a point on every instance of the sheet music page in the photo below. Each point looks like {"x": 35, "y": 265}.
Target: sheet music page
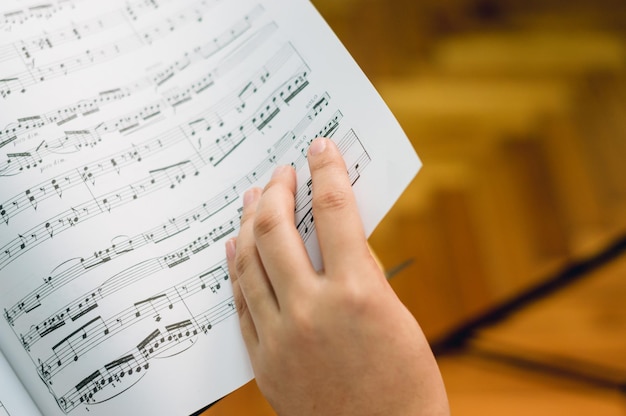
{"x": 14, "y": 399}
{"x": 129, "y": 130}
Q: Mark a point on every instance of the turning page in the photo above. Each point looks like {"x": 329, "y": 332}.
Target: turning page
{"x": 129, "y": 130}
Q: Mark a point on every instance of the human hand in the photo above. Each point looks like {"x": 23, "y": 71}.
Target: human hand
{"x": 336, "y": 342}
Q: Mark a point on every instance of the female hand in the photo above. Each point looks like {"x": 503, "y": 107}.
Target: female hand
{"x": 337, "y": 342}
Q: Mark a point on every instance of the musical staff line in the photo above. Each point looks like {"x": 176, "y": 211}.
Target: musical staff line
{"x": 129, "y": 131}
{"x": 38, "y": 11}
{"x": 89, "y": 301}
{"x": 21, "y": 81}
{"x": 208, "y": 49}
{"x": 159, "y": 233}
{"x": 155, "y": 303}
{"x": 72, "y": 347}
{"x": 76, "y": 140}
{"x": 81, "y": 266}
{"x": 196, "y": 128}
{"x": 25, "y": 49}
{"x": 305, "y": 223}
{"x": 137, "y": 360}
{"x": 156, "y": 180}
{"x": 88, "y": 106}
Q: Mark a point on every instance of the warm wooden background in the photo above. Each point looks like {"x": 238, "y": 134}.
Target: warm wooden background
{"x": 518, "y": 111}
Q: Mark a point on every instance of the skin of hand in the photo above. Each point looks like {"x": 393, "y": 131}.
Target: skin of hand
{"x": 335, "y": 342}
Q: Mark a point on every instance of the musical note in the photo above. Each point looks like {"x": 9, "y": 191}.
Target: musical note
{"x": 11, "y": 84}
{"x": 158, "y": 179}
{"x": 39, "y": 11}
{"x": 121, "y": 367}
{"x": 116, "y": 377}
{"x": 214, "y": 276}
{"x": 88, "y": 302}
{"x": 72, "y": 346}
{"x": 121, "y": 246}
{"x": 51, "y": 325}
{"x": 129, "y": 368}
{"x": 69, "y": 349}
{"x": 224, "y": 145}
{"x": 74, "y": 140}
{"x": 180, "y": 330}
{"x": 71, "y": 33}
{"x": 150, "y": 344}
{"x": 93, "y": 383}
{"x": 154, "y": 303}
{"x": 9, "y": 140}
{"x": 102, "y": 54}
{"x": 3, "y": 214}
{"x": 306, "y": 225}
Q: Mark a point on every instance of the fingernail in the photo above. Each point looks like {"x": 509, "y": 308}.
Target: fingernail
{"x": 280, "y": 170}
{"x": 248, "y": 197}
{"x": 231, "y": 249}
{"x": 318, "y": 146}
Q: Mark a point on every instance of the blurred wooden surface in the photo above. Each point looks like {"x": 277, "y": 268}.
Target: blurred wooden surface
{"x": 482, "y": 387}
{"x": 582, "y": 325}
{"x": 518, "y": 111}
{"x": 581, "y": 329}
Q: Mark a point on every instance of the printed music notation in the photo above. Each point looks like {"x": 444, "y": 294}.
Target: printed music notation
{"x": 96, "y": 331}
{"x": 42, "y": 10}
{"x": 168, "y": 230}
{"x": 158, "y": 179}
{"x": 70, "y": 270}
{"x": 156, "y": 235}
{"x": 172, "y": 98}
{"x": 92, "y": 334}
{"x": 35, "y": 74}
{"x": 27, "y": 48}
{"x": 68, "y": 352}
{"x": 70, "y": 349}
{"x": 174, "y": 339}
{"x": 195, "y": 127}
{"x": 60, "y": 341}
{"x": 129, "y": 130}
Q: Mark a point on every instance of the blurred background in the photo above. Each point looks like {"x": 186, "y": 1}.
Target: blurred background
{"x": 510, "y": 245}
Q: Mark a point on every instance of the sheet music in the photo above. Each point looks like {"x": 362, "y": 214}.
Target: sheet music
{"x": 14, "y": 400}
{"x": 129, "y": 129}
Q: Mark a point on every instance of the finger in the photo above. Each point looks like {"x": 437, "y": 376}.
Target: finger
{"x": 337, "y": 220}
{"x": 248, "y": 330}
{"x": 255, "y": 286}
{"x": 280, "y": 245}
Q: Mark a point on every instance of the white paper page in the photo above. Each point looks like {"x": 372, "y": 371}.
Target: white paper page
{"x": 129, "y": 131}
{"x": 14, "y": 400}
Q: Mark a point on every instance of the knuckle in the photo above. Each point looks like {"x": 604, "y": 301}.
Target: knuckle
{"x": 240, "y": 305}
{"x": 302, "y": 321}
{"x": 245, "y": 217}
{"x": 266, "y": 222}
{"x": 333, "y": 200}
{"x": 244, "y": 260}
{"x": 273, "y": 348}
{"x": 355, "y": 296}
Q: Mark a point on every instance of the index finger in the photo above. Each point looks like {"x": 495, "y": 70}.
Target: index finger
{"x": 279, "y": 244}
{"x": 337, "y": 219}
